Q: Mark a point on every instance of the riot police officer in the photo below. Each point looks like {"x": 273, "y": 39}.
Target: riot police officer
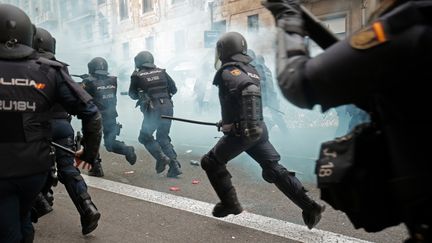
{"x": 63, "y": 134}
{"x": 29, "y": 86}
{"x": 103, "y": 89}
{"x": 245, "y": 131}
{"x": 153, "y": 88}
{"x": 383, "y": 69}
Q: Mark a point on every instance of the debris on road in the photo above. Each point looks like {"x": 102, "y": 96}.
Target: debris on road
{"x": 174, "y": 188}
{"x": 195, "y": 181}
{"x": 129, "y": 172}
{"x": 195, "y": 162}
{"x": 188, "y": 151}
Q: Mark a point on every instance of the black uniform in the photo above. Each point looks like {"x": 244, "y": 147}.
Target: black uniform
{"x": 245, "y": 131}
{"x": 153, "y": 88}
{"x": 383, "y": 69}
{"x": 29, "y": 87}
{"x": 103, "y": 89}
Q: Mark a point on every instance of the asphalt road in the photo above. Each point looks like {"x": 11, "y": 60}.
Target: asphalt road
{"x": 126, "y": 219}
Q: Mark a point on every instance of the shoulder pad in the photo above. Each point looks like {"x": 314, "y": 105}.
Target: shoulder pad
{"x": 56, "y": 64}
{"x": 63, "y": 63}
{"x": 369, "y": 37}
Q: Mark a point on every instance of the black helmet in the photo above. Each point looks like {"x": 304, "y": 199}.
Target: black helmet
{"x": 16, "y": 33}
{"x": 98, "y": 65}
{"x": 144, "y": 59}
{"x": 232, "y": 45}
{"x": 44, "y": 42}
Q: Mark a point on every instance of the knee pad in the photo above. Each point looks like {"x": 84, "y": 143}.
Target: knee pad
{"x": 209, "y": 162}
{"x": 212, "y": 166}
{"x": 274, "y": 171}
{"x": 145, "y": 138}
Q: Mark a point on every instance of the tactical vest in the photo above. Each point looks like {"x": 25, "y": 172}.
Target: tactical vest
{"x": 27, "y": 91}
{"x": 154, "y": 83}
{"x": 58, "y": 112}
{"x": 104, "y": 92}
{"x": 230, "y": 90}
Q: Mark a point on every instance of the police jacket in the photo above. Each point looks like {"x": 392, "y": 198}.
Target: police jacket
{"x": 103, "y": 89}
{"x": 232, "y": 78}
{"x": 384, "y": 69}
{"x": 153, "y": 84}
{"x": 28, "y": 89}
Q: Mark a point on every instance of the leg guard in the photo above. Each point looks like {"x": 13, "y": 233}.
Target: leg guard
{"x": 220, "y": 180}
{"x": 155, "y": 150}
{"x": 82, "y": 201}
{"x": 174, "y": 169}
{"x": 287, "y": 183}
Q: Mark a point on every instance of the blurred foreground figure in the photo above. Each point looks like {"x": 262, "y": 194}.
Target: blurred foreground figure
{"x": 103, "y": 89}
{"x": 63, "y": 134}
{"x": 29, "y": 86}
{"x": 153, "y": 88}
{"x": 245, "y": 131}
{"x": 383, "y": 69}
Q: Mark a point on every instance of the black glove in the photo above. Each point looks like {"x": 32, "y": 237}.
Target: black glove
{"x": 287, "y": 14}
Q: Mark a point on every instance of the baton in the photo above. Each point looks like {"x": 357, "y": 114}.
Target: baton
{"x": 189, "y": 121}
{"x": 68, "y": 150}
{"x": 316, "y": 31}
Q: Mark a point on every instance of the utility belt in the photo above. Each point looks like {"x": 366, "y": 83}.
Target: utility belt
{"x": 242, "y": 128}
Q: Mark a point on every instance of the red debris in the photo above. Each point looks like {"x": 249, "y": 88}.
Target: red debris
{"x": 195, "y": 181}
{"x": 174, "y": 189}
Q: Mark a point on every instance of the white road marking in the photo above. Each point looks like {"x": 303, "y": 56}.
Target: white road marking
{"x": 258, "y": 222}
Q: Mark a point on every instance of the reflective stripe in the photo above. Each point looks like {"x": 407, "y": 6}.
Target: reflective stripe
{"x": 379, "y": 31}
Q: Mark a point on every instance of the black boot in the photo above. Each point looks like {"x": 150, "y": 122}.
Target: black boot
{"x": 89, "y": 216}
{"x": 161, "y": 163}
{"x": 40, "y": 208}
{"x": 293, "y": 189}
{"x": 312, "y": 216}
{"x": 174, "y": 169}
{"x": 96, "y": 169}
{"x": 229, "y": 204}
{"x": 130, "y": 155}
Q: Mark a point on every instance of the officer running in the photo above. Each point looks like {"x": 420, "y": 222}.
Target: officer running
{"x": 29, "y": 87}
{"x": 245, "y": 131}
{"x": 153, "y": 88}
{"x": 103, "y": 89}
{"x": 63, "y": 134}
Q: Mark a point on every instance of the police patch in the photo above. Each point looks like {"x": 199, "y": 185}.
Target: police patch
{"x": 235, "y": 72}
{"x": 371, "y": 36}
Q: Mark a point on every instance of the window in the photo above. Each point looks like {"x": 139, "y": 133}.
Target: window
{"x": 253, "y": 23}
{"x": 125, "y": 48}
{"x": 149, "y": 41}
{"x": 99, "y": 2}
{"x": 177, "y": 1}
{"x": 103, "y": 26}
{"x": 123, "y": 9}
{"x": 147, "y": 6}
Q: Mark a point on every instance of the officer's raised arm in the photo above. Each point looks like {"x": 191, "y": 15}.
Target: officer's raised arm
{"x": 330, "y": 79}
